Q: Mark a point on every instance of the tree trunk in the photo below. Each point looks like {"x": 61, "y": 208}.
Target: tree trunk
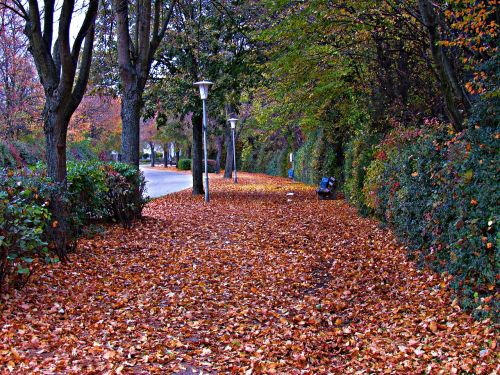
{"x": 55, "y": 128}
{"x": 228, "y": 170}
{"x": 220, "y": 144}
{"x": 131, "y": 116}
{"x": 165, "y": 154}
{"x": 153, "y": 153}
{"x": 197, "y": 162}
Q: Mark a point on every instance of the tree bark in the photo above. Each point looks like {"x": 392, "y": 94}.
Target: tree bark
{"x": 55, "y": 127}
{"x": 218, "y": 158}
{"x": 131, "y": 118}
{"x": 165, "y": 154}
{"x": 228, "y": 170}
{"x": 197, "y": 151}
{"x": 153, "y": 153}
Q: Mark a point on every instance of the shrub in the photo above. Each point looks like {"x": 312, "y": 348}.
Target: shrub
{"x": 306, "y": 160}
{"x": 24, "y": 217}
{"x": 373, "y": 183}
{"x": 17, "y": 153}
{"x": 125, "y": 194}
{"x": 112, "y": 192}
{"x": 81, "y": 151}
{"x": 278, "y": 165}
{"x": 248, "y": 158}
{"x": 105, "y": 191}
{"x": 87, "y": 187}
{"x": 439, "y": 193}
{"x": 358, "y": 156}
{"x": 30, "y": 149}
{"x": 7, "y": 160}
{"x": 184, "y": 164}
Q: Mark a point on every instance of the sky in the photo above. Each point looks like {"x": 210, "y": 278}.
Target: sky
{"x": 78, "y": 16}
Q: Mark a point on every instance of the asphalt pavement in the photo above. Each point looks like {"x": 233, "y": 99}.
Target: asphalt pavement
{"x": 161, "y": 182}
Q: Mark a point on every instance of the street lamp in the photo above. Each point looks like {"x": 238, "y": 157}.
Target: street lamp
{"x": 233, "y": 128}
{"x": 204, "y": 85}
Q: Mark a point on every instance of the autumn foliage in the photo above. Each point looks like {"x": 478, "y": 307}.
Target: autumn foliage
{"x": 259, "y": 281}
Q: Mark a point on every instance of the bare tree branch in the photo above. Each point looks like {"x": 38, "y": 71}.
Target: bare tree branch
{"x": 88, "y": 22}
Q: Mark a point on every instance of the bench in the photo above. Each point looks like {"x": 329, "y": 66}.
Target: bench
{"x": 327, "y": 188}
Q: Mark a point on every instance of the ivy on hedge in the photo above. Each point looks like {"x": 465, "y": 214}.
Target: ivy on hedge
{"x": 439, "y": 192}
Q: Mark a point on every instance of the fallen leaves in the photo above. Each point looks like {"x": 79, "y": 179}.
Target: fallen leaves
{"x": 250, "y": 283}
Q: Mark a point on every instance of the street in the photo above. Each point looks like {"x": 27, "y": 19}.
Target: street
{"x": 160, "y": 182}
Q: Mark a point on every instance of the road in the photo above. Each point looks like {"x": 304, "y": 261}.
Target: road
{"x": 161, "y": 182}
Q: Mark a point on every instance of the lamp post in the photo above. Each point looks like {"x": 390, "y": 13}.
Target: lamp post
{"x": 233, "y": 128}
{"x": 204, "y": 85}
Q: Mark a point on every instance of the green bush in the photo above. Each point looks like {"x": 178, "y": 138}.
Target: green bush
{"x": 316, "y": 158}
{"x": 373, "y": 183}
{"x": 184, "y": 164}
{"x": 278, "y": 165}
{"x": 262, "y": 158}
{"x": 105, "y": 191}
{"x": 125, "y": 192}
{"x": 17, "y": 153}
{"x": 10, "y": 157}
{"x": 6, "y": 158}
{"x": 88, "y": 188}
{"x": 30, "y": 149}
{"x": 248, "y": 158}
{"x": 81, "y": 151}
{"x": 439, "y": 193}
{"x": 358, "y": 156}
{"x": 111, "y": 192}
{"x": 306, "y": 166}
{"x": 24, "y": 217}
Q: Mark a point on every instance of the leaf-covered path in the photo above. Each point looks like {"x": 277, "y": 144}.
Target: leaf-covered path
{"x": 257, "y": 281}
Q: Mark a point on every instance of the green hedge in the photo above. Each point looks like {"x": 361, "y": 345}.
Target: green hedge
{"x": 184, "y": 164}
{"x": 278, "y": 163}
{"x": 314, "y": 159}
{"x": 439, "y": 193}
{"x": 358, "y": 155}
{"x": 105, "y": 191}
{"x": 317, "y": 158}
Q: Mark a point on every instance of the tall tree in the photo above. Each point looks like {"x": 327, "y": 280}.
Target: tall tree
{"x": 141, "y": 26}
{"x": 209, "y": 41}
{"x": 63, "y": 70}
{"x": 97, "y": 119}
{"x": 21, "y": 95}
